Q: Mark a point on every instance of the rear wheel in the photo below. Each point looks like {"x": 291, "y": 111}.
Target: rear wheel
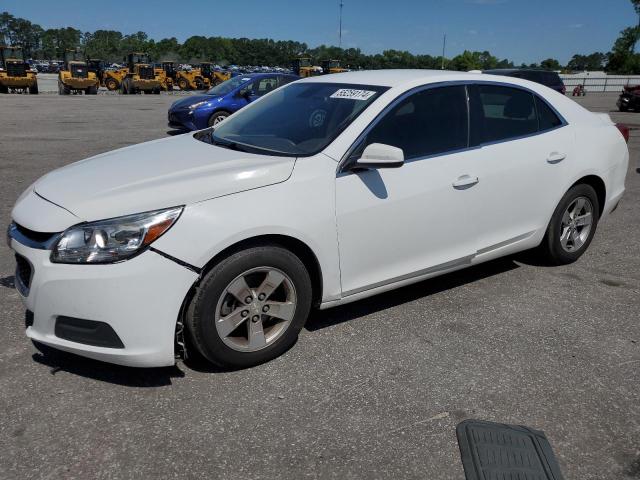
{"x": 183, "y": 84}
{"x": 33, "y": 89}
{"x": 217, "y": 117}
{"x": 572, "y": 226}
{"x": 250, "y": 307}
{"x": 4, "y": 89}
{"x": 92, "y": 91}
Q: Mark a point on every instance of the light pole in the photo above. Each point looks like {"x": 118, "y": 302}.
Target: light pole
{"x": 341, "y": 4}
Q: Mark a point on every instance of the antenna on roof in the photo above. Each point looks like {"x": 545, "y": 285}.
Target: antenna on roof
{"x": 444, "y": 44}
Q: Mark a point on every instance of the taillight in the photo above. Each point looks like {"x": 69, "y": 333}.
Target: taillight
{"x": 624, "y": 130}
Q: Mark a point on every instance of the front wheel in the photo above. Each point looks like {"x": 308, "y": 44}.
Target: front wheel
{"x": 217, "y": 117}
{"x": 111, "y": 84}
{"x": 250, "y": 307}
{"x": 572, "y": 226}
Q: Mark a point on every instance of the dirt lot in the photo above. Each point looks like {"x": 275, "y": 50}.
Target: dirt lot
{"x": 371, "y": 390}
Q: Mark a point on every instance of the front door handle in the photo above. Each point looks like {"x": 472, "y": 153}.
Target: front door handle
{"x": 465, "y": 181}
{"x": 556, "y": 157}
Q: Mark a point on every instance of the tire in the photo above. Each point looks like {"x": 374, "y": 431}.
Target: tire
{"x": 111, "y": 84}
{"x": 156, "y": 91}
{"x": 552, "y": 249}
{"x": 4, "y": 89}
{"x": 238, "y": 348}
{"x": 92, "y": 91}
{"x": 183, "y": 84}
{"x": 123, "y": 88}
{"x": 33, "y": 89}
{"x": 217, "y": 117}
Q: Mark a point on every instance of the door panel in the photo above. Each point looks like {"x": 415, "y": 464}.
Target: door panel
{"x": 397, "y": 222}
{"x": 521, "y": 181}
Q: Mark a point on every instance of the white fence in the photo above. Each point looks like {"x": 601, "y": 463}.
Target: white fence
{"x": 599, "y": 81}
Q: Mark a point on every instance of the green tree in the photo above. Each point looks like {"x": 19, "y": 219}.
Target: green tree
{"x": 550, "y": 64}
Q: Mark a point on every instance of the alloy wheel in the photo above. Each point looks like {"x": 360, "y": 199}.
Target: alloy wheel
{"x": 255, "y": 309}
{"x": 576, "y": 224}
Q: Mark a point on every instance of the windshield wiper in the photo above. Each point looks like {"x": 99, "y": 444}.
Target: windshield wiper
{"x": 228, "y": 144}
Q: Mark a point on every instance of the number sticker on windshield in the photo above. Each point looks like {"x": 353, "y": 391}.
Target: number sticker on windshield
{"x": 352, "y": 94}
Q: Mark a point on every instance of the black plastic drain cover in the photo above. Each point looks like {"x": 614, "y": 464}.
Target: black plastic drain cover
{"x": 495, "y": 451}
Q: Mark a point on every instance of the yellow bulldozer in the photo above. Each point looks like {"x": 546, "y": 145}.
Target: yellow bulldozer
{"x": 75, "y": 76}
{"x": 15, "y": 73}
{"x": 332, "y": 66}
{"x": 303, "y": 67}
{"x": 141, "y": 76}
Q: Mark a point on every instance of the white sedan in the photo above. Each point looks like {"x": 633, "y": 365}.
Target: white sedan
{"x": 325, "y": 191}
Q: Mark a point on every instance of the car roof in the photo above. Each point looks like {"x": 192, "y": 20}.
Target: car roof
{"x": 403, "y": 80}
{"x": 385, "y": 78}
{"x": 511, "y": 70}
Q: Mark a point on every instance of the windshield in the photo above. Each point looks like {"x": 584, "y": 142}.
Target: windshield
{"x": 300, "y": 119}
{"x": 228, "y": 86}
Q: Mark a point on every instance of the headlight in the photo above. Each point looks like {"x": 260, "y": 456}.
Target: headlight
{"x": 113, "y": 240}
{"x": 192, "y": 107}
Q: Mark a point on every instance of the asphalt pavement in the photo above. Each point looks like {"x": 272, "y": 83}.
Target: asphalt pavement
{"x": 372, "y": 389}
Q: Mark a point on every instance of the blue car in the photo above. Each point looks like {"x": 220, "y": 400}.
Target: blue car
{"x": 201, "y": 111}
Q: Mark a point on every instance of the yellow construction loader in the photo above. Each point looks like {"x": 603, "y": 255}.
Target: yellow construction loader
{"x": 214, "y": 76}
{"x": 192, "y": 80}
{"x": 166, "y": 73}
{"x": 332, "y": 66}
{"x": 75, "y": 77}
{"x": 303, "y": 67}
{"x": 15, "y": 73}
{"x": 141, "y": 76}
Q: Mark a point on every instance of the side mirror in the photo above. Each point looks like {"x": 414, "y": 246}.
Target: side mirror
{"x": 379, "y": 155}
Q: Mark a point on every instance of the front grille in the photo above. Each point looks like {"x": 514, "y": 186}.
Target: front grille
{"x": 16, "y": 69}
{"x": 146, "y": 73}
{"x": 23, "y": 274}
{"x": 78, "y": 71}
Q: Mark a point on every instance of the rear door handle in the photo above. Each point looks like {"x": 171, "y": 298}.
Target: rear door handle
{"x": 465, "y": 181}
{"x": 556, "y": 157}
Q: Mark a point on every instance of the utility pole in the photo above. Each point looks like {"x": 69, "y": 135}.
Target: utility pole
{"x": 341, "y": 4}
{"x": 444, "y": 44}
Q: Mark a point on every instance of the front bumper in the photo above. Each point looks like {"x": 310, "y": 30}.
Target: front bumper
{"x": 182, "y": 119}
{"x": 140, "y": 299}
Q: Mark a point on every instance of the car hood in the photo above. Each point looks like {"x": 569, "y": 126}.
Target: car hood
{"x": 191, "y": 99}
{"x": 158, "y": 174}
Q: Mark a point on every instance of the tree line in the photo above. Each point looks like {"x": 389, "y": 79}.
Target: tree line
{"x": 111, "y": 45}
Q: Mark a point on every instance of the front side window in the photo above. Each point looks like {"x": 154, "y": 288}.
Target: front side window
{"x": 429, "y": 122}
{"x": 503, "y": 113}
{"x": 300, "y": 119}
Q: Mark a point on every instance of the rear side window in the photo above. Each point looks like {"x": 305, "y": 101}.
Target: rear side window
{"x": 426, "y": 123}
{"x": 547, "y": 119}
{"x": 503, "y": 113}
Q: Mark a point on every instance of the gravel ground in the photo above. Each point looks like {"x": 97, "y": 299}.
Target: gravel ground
{"x": 371, "y": 390}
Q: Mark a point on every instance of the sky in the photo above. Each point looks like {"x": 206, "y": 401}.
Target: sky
{"x": 520, "y": 30}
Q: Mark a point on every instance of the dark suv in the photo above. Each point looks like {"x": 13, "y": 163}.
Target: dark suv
{"x": 545, "y": 77}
